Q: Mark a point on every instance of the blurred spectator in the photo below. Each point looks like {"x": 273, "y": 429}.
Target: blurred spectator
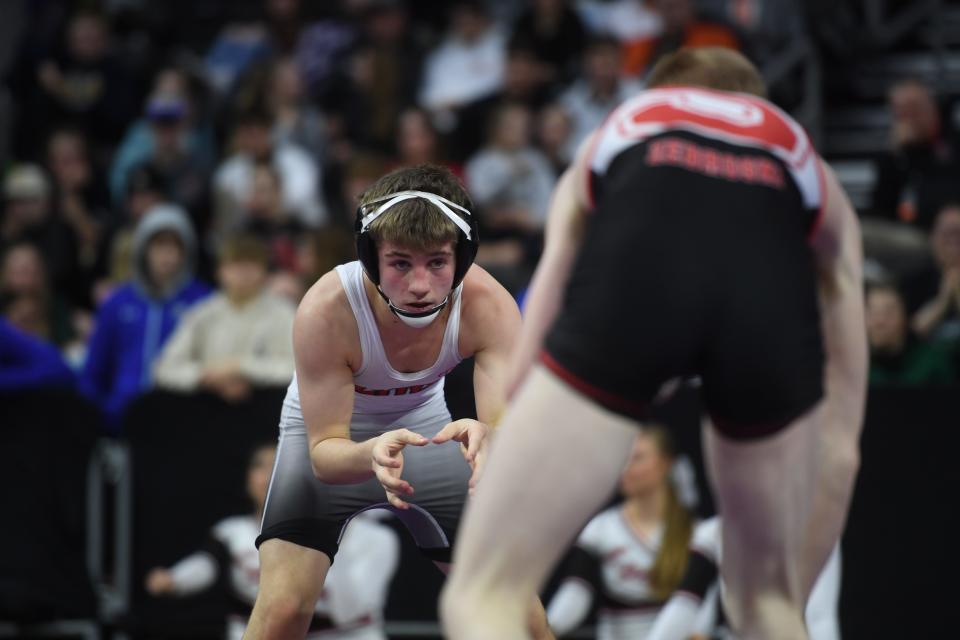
{"x": 233, "y": 180}
{"x": 467, "y": 65}
{"x": 295, "y": 120}
{"x": 634, "y": 553}
{"x": 266, "y": 218}
{"x": 173, "y": 119}
{"x": 288, "y": 286}
{"x": 324, "y": 249}
{"x": 237, "y": 339}
{"x": 769, "y": 26}
{"x": 145, "y": 189}
{"x": 76, "y": 177}
{"x": 552, "y": 29}
{"x": 509, "y": 179}
{"x": 418, "y": 142}
{"x": 361, "y": 170}
{"x": 921, "y": 172}
{"x": 183, "y": 170}
{"x": 382, "y": 76}
{"x": 934, "y": 295}
{"x": 29, "y": 313}
{"x": 554, "y": 136}
{"x": 354, "y": 594}
{"x": 896, "y": 355}
{"x": 31, "y": 304}
{"x": 235, "y": 49}
{"x": 511, "y": 183}
{"x": 589, "y": 99}
{"x": 625, "y": 20}
{"x": 283, "y": 30}
{"x": 29, "y": 216}
{"x": 525, "y": 82}
{"x": 80, "y": 83}
{"x": 134, "y": 322}
{"x": 682, "y": 27}
{"x": 82, "y": 199}
{"x": 27, "y": 362}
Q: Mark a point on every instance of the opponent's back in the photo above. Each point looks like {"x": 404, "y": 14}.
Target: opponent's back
{"x": 659, "y": 120}
{"x": 707, "y": 183}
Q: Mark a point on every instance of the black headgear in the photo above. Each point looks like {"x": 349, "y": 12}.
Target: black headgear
{"x": 467, "y": 241}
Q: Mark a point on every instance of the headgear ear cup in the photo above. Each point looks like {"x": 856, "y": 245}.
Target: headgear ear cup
{"x": 466, "y": 252}
{"x": 366, "y": 250}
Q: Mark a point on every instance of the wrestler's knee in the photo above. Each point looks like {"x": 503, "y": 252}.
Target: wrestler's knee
{"x": 284, "y": 609}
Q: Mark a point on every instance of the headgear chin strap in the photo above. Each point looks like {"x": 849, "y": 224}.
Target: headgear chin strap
{"x": 465, "y": 252}
{"x": 417, "y": 320}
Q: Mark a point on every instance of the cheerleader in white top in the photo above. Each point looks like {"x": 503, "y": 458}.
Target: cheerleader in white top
{"x": 355, "y": 594}
{"x": 632, "y": 556}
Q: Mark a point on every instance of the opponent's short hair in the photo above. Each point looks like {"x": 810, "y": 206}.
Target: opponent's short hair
{"x": 709, "y": 67}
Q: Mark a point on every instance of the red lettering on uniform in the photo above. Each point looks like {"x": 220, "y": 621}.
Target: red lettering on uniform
{"x": 691, "y": 157}
{"x": 399, "y": 391}
{"x": 655, "y": 153}
{"x": 770, "y": 173}
{"x": 750, "y": 169}
{"x": 711, "y": 162}
{"x": 729, "y": 167}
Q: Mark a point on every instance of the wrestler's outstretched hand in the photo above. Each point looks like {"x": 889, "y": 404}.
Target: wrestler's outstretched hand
{"x": 387, "y": 463}
{"x": 472, "y": 436}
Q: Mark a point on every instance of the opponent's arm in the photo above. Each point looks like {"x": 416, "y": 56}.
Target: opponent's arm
{"x": 569, "y": 205}
{"x": 837, "y": 247}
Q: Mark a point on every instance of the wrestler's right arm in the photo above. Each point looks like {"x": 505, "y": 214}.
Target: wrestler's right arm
{"x": 837, "y": 247}
{"x": 323, "y": 331}
{"x": 569, "y": 205}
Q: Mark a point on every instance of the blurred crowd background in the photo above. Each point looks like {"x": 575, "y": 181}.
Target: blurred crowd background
{"x": 253, "y": 125}
{"x": 176, "y": 174}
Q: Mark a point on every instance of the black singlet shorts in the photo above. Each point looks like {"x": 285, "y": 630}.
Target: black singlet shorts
{"x": 684, "y": 274}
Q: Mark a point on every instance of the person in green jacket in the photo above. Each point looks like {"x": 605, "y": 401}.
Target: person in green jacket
{"x": 897, "y": 355}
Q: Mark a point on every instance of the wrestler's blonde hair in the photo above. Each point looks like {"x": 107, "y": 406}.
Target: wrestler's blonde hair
{"x": 709, "y": 67}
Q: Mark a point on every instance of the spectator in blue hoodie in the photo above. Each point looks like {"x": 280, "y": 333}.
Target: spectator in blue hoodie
{"x": 26, "y": 362}
{"x": 135, "y": 321}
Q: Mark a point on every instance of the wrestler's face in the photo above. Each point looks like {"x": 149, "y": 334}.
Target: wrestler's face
{"x": 646, "y": 470}
{"x": 416, "y": 280}
{"x": 258, "y": 475}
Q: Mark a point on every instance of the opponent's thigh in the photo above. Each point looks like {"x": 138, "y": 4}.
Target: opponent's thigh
{"x": 765, "y": 491}
{"x": 554, "y": 461}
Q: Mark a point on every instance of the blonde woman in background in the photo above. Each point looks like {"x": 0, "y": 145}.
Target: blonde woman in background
{"x": 633, "y": 555}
